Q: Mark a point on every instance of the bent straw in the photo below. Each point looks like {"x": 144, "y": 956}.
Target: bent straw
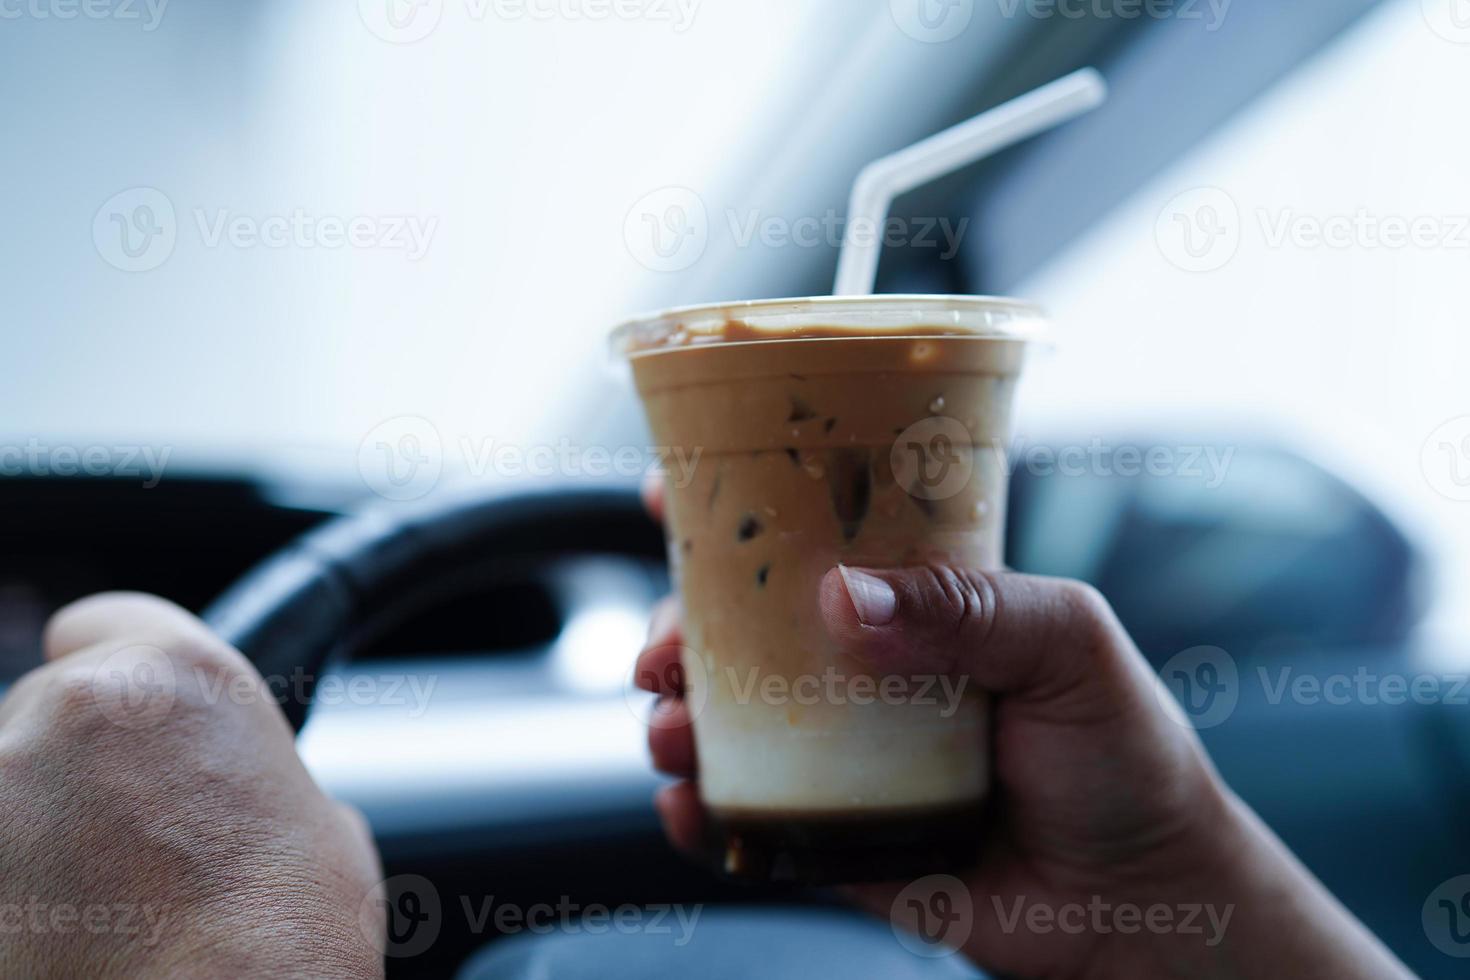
{"x": 985, "y": 135}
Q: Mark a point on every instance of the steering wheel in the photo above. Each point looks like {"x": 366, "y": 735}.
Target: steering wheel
{"x": 337, "y": 587}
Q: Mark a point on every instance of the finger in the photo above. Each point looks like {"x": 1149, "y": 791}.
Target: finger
{"x": 682, "y": 814}
{"x": 151, "y": 636}
{"x": 666, "y": 623}
{"x": 659, "y": 667}
{"x": 1012, "y": 634}
{"x": 654, "y": 493}
{"x": 114, "y": 616}
{"x": 660, "y": 670}
{"x": 671, "y": 741}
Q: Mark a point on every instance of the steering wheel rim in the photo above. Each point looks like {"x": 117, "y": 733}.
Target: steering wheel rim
{"x": 323, "y": 595}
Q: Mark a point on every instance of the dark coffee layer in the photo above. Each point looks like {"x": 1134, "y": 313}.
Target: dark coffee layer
{"x": 837, "y": 847}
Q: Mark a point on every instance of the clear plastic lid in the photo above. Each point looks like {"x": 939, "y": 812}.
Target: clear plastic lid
{"x": 828, "y": 317}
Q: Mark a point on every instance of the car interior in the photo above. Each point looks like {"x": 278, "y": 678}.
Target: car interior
{"x": 502, "y": 611}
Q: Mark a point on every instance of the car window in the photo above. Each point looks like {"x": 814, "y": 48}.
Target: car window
{"x": 1297, "y": 280}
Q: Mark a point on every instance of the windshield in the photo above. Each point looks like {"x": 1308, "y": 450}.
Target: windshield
{"x": 255, "y": 235}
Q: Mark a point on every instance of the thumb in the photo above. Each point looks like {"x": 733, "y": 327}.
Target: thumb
{"x": 1037, "y": 639}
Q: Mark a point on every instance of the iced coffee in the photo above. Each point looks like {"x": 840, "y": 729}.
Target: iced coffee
{"x": 858, "y": 432}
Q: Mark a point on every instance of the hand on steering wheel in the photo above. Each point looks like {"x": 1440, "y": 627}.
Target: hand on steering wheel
{"x": 155, "y": 819}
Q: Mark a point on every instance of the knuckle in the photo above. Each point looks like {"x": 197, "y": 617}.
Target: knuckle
{"x": 77, "y": 690}
{"x": 1087, "y": 604}
{"x": 208, "y": 673}
{"x": 961, "y": 599}
{"x": 85, "y": 703}
{"x": 194, "y": 653}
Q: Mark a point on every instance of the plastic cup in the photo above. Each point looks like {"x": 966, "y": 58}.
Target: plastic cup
{"x": 862, "y": 432}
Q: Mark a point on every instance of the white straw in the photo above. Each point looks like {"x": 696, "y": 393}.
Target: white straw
{"x": 988, "y": 133}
